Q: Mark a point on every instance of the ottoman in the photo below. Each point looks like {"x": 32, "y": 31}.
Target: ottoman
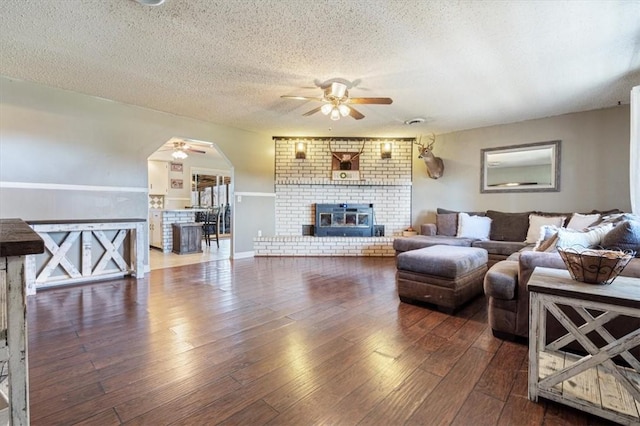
{"x": 445, "y": 276}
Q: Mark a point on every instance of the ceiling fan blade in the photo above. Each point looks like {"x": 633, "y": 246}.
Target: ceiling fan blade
{"x": 302, "y": 98}
{"x": 313, "y": 111}
{"x": 199, "y": 143}
{"x": 197, "y": 151}
{"x": 355, "y": 114}
{"x": 382, "y": 101}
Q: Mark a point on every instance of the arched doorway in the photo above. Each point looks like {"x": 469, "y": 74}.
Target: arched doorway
{"x": 186, "y": 176}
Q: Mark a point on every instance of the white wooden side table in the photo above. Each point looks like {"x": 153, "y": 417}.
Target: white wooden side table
{"x": 595, "y": 382}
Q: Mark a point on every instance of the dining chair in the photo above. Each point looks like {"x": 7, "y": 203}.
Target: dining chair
{"x": 211, "y": 226}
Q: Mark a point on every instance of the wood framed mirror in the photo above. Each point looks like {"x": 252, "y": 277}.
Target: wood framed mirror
{"x": 533, "y": 167}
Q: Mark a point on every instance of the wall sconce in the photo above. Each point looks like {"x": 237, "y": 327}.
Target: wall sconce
{"x": 301, "y": 150}
{"x": 385, "y": 150}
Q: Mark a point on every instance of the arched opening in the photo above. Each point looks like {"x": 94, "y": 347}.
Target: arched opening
{"x": 188, "y": 179}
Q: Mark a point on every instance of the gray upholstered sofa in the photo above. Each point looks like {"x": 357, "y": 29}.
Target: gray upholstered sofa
{"x": 507, "y": 235}
{"x": 505, "y": 283}
{"x": 511, "y": 263}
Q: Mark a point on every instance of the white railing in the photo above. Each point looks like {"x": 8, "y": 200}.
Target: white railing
{"x": 83, "y": 251}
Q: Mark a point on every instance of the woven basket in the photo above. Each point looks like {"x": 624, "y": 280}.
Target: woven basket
{"x": 595, "y": 266}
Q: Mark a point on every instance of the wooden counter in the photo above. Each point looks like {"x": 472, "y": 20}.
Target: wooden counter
{"x": 17, "y": 240}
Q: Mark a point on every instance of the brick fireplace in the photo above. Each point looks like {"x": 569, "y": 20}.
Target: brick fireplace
{"x": 302, "y": 183}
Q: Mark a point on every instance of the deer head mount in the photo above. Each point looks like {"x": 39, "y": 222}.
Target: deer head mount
{"x": 435, "y": 165}
{"x": 346, "y": 159}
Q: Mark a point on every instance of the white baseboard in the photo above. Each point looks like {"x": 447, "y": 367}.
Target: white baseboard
{"x": 243, "y": 255}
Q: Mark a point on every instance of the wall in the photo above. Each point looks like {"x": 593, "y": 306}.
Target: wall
{"x": 594, "y": 166}
{"x": 300, "y": 184}
{"x": 66, "y": 155}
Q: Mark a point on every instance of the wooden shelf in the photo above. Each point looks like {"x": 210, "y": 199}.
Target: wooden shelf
{"x": 595, "y": 387}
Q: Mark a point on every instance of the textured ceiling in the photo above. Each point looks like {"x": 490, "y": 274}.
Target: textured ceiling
{"x": 459, "y": 64}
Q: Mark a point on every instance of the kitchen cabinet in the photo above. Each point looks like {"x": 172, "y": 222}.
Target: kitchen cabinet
{"x": 158, "y": 177}
{"x": 155, "y": 229}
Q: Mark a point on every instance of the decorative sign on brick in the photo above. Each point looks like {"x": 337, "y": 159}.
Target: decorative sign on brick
{"x": 345, "y": 175}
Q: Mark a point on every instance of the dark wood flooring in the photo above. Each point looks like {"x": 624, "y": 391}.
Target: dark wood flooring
{"x": 282, "y": 341}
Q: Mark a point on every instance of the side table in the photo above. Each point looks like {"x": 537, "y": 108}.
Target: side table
{"x": 594, "y": 382}
{"x": 187, "y": 238}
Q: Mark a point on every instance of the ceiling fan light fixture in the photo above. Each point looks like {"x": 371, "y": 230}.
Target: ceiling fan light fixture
{"x": 179, "y": 155}
{"x": 336, "y": 101}
{"x": 326, "y": 109}
{"x": 338, "y": 90}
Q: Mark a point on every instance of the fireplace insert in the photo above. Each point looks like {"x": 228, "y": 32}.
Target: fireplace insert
{"x": 344, "y": 220}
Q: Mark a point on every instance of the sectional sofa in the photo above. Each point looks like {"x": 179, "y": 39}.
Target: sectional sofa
{"x": 517, "y": 243}
{"x": 507, "y": 233}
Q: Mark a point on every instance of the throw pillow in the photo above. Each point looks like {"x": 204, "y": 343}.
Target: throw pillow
{"x": 606, "y": 212}
{"x": 549, "y": 244}
{"x": 508, "y": 226}
{"x": 592, "y": 238}
{"x": 624, "y": 236}
{"x": 447, "y": 224}
{"x": 473, "y": 226}
{"x": 536, "y": 222}
{"x": 567, "y": 216}
{"x": 445, "y": 211}
{"x": 616, "y": 218}
{"x": 581, "y": 221}
{"x": 548, "y": 237}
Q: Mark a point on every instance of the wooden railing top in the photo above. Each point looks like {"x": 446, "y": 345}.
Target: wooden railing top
{"x": 70, "y": 221}
{"x": 18, "y": 239}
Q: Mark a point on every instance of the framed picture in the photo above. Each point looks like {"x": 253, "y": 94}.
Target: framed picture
{"x": 176, "y": 167}
{"x": 177, "y": 183}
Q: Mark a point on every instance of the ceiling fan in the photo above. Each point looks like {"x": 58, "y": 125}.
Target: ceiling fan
{"x": 337, "y": 102}
{"x": 180, "y": 149}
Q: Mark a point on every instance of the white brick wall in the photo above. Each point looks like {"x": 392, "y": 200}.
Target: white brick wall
{"x": 295, "y": 205}
{"x": 316, "y": 167}
{"x": 325, "y": 246}
{"x": 300, "y": 184}
{"x": 170, "y": 217}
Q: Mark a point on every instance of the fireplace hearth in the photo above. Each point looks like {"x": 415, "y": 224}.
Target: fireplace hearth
{"x": 344, "y": 220}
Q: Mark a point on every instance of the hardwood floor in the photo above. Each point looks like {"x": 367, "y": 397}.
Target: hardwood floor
{"x": 282, "y": 341}
{"x": 160, "y": 260}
